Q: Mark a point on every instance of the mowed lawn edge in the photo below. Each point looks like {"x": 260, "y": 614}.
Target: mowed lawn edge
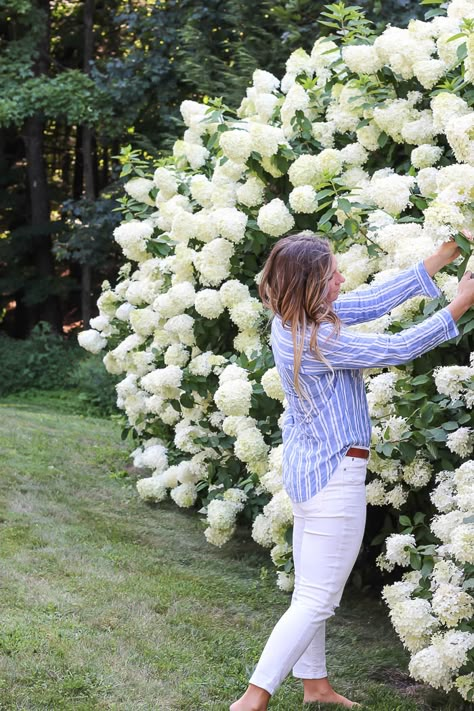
{"x": 107, "y": 603}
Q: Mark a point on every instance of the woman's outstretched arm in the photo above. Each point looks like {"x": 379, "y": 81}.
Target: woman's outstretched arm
{"x": 360, "y": 350}
{"x": 367, "y": 304}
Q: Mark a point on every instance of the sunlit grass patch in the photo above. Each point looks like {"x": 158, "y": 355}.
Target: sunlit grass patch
{"x": 107, "y": 603}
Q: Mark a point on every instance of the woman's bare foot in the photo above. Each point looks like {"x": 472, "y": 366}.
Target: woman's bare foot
{"x": 254, "y": 699}
{"x": 321, "y": 690}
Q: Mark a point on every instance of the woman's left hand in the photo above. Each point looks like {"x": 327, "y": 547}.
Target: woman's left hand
{"x": 449, "y": 251}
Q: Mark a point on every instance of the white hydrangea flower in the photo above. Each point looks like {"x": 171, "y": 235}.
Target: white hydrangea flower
{"x": 139, "y": 189}
{"x": 285, "y": 581}
{"x": 262, "y": 531}
{"x": 274, "y": 218}
{"x": 296, "y": 99}
{"x": 251, "y": 192}
{"x": 362, "y": 59}
{"x": 233, "y": 424}
{"x": 426, "y": 180}
{"x": 231, "y": 223}
{"x": 375, "y": 493}
{"x": 166, "y": 182}
{"x": 414, "y": 622}
{"x": 443, "y": 526}
{"x": 356, "y": 265}
{"x": 176, "y": 354}
{"x": 163, "y": 381}
{"x": 151, "y": 489}
{"x": 232, "y": 400}
{"x": 451, "y": 604}
{"x": 449, "y": 380}
{"x": 271, "y": 383}
{"x": 280, "y": 512}
{"x": 236, "y": 144}
{"x": 233, "y": 372}
{"x": 221, "y": 514}
{"x": 391, "y": 193}
{"x": 248, "y": 342}
{"x": 397, "y": 496}
{"x": 437, "y": 663}
{"x": 446, "y": 571}
{"x": 144, "y": 321}
{"x": 462, "y": 543}
{"x": 461, "y": 441}
{"x": 380, "y": 392}
{"x": 92, "y": 340}
{"x": 464, "y": 684}
{"x": 250, "y": 447}
{"x": 446, "y": 107}
{"x": 311, "y": 170}
{"x": 184, "y": 495}
{"x": 153, "y": 456}
{"x": 303, "y": 199}
{"x": 418, "y": 473}
{"x": 460, "y": 9}
{"x": 132, "y": 237}
{"x": 213, "y": 261}
{"x": 218, "y": 536}
{"x": 193, "y": 112}
{"x": 463, "y": 479}
{"x": 429, "y": 71}
{"x": 425, "y": 156}
{"x": 208, "y": 303}
{"x": 142, "y": 362}
{"x": 368, "y": 136}
{"x": 201, "y": 190}
{"x": 397, "y": 545}
{"x": 265, "y": 82}
{"x": 182, "y": 327}
{"x": 323, "y": 132}
{"x": 232, "y": 292}
{"x": 246, "y": 314}
{"x": 324, "y": 53}
{"x": 266, "y": 139}
{"x": 201, "y": 364}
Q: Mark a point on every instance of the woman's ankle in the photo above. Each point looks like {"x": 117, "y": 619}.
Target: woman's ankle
{"x": 254, "y": 699}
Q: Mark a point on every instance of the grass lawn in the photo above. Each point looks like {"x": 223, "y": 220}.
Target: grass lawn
{"x": 106, "y": 603}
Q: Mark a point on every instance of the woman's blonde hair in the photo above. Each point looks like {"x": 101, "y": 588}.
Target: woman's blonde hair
{"x": 294, "y": 285}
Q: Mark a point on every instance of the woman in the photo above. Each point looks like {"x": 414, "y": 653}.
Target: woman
{"x": 326, "y": 433}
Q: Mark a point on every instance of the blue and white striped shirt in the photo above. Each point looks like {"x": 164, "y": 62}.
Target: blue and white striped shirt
{"x": 318, "y": 431}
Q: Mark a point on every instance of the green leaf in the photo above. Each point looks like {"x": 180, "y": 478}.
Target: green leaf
{"x": 415, "y": 561}
{"x": 351, "y": 226}
{"x": 405, "y": 521}
{"x": 421, "y": 380}
{"x": 326, "y": 217}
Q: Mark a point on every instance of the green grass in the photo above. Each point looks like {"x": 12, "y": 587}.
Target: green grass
{"x": 106, "y": 603}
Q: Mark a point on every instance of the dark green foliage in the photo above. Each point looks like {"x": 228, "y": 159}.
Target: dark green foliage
{"x": 44, "y": 361}
{"x": 95, "y": 388}
{"x": 48, "y": 362}
{"x": 299, "y": 20}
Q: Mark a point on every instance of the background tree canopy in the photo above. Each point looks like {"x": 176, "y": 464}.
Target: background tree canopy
{"x": 78, "y": 81}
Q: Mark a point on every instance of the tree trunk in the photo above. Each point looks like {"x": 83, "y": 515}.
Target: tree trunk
{"x": 33, "y": 137}
{"x": 87, "y": 158}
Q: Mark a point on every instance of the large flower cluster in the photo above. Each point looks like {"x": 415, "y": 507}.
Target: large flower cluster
{"x": 437, "y": 598}
{"x": 183, "y": 325}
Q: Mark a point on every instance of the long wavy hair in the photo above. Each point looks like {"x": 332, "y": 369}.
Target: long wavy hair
{"x": 294, "y": 284}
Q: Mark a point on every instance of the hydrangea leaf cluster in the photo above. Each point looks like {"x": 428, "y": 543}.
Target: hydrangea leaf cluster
{"x": 368, "y": 140}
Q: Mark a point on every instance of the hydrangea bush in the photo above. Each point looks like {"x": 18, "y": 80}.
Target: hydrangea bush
{"x": 368, "y": 140}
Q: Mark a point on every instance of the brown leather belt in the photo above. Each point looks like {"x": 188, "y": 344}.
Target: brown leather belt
{"x": 357, "y": 452}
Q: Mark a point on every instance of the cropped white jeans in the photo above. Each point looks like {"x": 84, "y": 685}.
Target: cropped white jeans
{"x": 327, "y": 535}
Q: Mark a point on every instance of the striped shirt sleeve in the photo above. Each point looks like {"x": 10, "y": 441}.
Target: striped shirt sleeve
{"x": 367, "y": 304}
{"x": 366, "y": 350}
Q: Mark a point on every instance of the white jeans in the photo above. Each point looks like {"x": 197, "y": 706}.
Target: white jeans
{"x": 327, "y": 535}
